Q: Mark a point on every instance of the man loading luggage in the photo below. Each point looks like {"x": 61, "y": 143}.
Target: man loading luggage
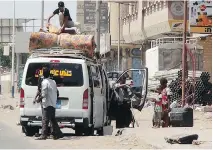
{"x": 64, "y": 17}
{"x": 49, "y": 94}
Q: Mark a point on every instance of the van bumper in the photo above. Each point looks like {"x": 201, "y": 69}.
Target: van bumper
{"x": 66, "y": 122}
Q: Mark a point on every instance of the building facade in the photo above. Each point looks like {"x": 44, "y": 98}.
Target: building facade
{"x": 143, "y": 25}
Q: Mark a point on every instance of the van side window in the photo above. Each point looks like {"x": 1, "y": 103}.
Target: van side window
{"x": 96, "y": 77}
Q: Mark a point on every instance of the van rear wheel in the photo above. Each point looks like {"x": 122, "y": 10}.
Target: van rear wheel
{"x": 79, "y": 131}
{"x": 89, "y": 131}
{"x": 30, "y": 131}
{"x": 100, "y": 131}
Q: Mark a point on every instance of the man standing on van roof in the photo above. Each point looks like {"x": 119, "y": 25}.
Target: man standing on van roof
{"x": 49, "y": 95}
{"x": 64, "y": 17}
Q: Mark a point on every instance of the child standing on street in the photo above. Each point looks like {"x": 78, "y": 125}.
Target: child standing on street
{"x": 165, "y": 102}
{"x": 157, "y": 109}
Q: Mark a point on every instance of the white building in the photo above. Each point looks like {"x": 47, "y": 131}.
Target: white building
{"x": 6, "y": 28}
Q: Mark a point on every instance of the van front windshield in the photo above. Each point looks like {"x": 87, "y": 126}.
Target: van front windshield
{"x": 63, "y": 73}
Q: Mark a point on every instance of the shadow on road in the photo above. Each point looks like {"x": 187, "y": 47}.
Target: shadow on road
{"x": 67, "y": 136}
{"x": 71, "y": 136}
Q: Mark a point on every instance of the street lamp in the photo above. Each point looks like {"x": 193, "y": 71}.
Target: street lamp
{"x": 119, "y": 34}
{"x": 97, "y": 26}
{"x": 13, "y": 51}
{"x": 119, "y": 26}
{"x": 184, "y": 54}
{"x": 42, "y": 14}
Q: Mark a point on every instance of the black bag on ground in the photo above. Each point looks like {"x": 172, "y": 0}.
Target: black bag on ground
{"x": 181, "y": 117}
{"x": 182, "y": 139}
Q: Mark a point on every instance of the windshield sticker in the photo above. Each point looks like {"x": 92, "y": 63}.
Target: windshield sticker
{"x": 55, "y": 72}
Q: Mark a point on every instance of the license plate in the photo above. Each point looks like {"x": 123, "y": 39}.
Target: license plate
{"x": 58, "y": 104}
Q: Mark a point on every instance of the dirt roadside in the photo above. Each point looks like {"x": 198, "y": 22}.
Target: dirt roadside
{"x": 142, "y": 137}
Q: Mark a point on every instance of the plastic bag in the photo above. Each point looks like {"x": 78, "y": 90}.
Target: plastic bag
{"x": 53, "y": 29}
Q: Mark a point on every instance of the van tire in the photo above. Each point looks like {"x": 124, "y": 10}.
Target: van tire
{"x": 89, "y": 131}
{"x": 79, "y": 131}
{"x": 100, "y": 132}
{"x": 30, "y": 131}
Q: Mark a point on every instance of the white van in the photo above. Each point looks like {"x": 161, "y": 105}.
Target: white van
{"x": 83, "y": 92}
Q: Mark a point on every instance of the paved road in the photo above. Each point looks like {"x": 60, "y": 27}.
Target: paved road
{"x": 11, "y": 139}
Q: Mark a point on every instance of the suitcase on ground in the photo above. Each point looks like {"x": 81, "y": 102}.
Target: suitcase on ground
{"x": 181, "y": 117}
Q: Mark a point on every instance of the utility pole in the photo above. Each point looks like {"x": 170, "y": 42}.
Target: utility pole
{"x": 13, "y": 51}
{"x": 42, "y": 14}
{"x": 119, "y": 34}
{"x": 17, "y": 67}
{"x": 184, "y": 54}
{"x": 97, "y": 26}
{"x": 0, "y": 75}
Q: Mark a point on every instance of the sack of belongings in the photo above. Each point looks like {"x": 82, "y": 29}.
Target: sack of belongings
{"x": 182, "y": 139}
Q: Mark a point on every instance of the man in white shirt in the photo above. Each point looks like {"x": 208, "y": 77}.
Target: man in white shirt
{"x": 49, "y": 94}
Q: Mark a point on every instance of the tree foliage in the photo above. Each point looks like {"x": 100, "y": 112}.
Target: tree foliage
{"x": 5, "y": 60}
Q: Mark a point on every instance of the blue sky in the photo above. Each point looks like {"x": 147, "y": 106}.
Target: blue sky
{"x": 32, "y": 9}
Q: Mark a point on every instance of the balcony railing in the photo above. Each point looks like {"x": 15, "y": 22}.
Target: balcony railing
{"x": 166, "y": 40}
{"x": 149, "y": 8}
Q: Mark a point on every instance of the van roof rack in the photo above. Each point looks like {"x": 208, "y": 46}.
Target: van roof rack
{"x": 58, "y": 51}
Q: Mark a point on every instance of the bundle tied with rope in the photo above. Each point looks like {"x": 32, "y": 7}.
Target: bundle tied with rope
{"x": 43, "y": 39}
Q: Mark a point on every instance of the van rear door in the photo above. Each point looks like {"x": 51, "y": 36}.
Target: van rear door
{"x": 98, "y": 99}
{"x": 69, "y": 78}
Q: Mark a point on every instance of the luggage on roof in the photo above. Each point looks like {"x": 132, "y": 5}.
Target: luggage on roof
{"x": 40, "y": 40}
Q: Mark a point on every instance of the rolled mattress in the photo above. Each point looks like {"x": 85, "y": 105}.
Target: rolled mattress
{"x": 40, "y": 40}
